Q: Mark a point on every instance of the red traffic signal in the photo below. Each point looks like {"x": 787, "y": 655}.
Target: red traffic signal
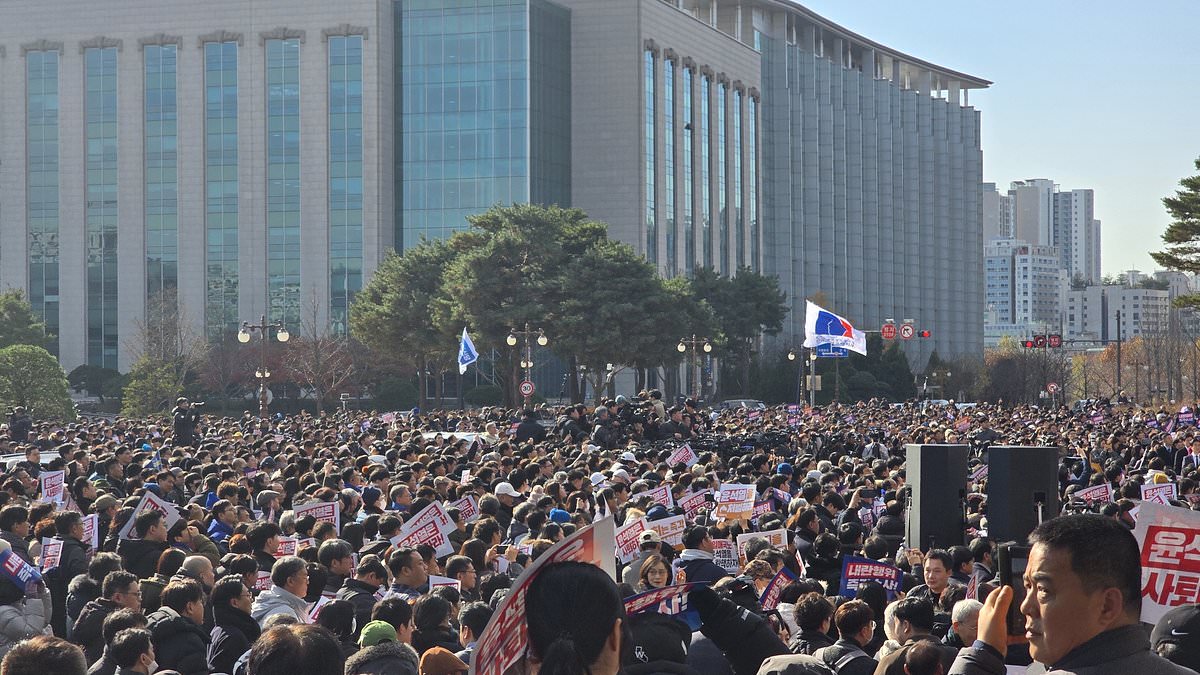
{"x": 1054, "y": 341}
{"x": 1028, "y": 344}
{"x": 924, "y": 333}
{"x": 1039, "y": 341}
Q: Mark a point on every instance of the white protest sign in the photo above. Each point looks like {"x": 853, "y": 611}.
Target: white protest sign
{"x": 1169, "y": 541}
{"x": 468, "y": 508}
{"x": 91, "y": 531}
{"x": 150, "y": 502}
{"x": 431, "y": 526}
{"x": 670, "y": 529}
{"x": 435, "y": 581}
{"x": 725, "y": 555}
{"x": 626, "y": 539}
{"x": 683, "y": 454}
{"x": 777, "y": 539}
{"x": 1160, "y": 493}
{"x": 51, "y": 553}
{"x": 51, "y": 483}
{"x": 326, "y": 511}
{"x": 659, "y": 495}
{"x": 287, "y": 546}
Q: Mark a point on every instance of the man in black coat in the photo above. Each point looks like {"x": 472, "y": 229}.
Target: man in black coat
{"x": 72, "y": 561}
{"x": 120, "y": 590}
{"x": 529, "y": 429}
{"x": 19, "y": 425}
{"x": 185, "y": 418}
{"x": 180, "y": 643}
{"x": 140, "y": 555}
{"x": 360, "y": 590}
{"x": 235, "y": 629}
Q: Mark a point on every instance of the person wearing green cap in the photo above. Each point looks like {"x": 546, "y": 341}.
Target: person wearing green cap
{"x": 381, "y": 653}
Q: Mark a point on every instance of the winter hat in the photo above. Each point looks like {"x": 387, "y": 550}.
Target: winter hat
{"x": 441, "y": 661}
{"x": 375, "y": 632}
{"x": 559, "y": 516}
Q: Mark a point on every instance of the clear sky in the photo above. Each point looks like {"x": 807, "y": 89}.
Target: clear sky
{"x": 1102, "y": 95}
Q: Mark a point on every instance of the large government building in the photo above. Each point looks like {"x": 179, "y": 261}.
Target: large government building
{"x": 233, "y": 158}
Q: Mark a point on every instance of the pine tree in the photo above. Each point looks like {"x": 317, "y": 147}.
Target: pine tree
{"x": 1183, "y": 234}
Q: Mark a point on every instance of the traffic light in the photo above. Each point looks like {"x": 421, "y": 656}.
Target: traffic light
{"x": 1028, "y": 344}
{"x": 924, "y": 333}
{"x": 1054, "y": 341}
{"x": 1039, "y": 341}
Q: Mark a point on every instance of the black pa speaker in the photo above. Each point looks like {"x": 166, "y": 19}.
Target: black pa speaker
{"x": 938, "y": 477}
{"x": 1020, "y": 478}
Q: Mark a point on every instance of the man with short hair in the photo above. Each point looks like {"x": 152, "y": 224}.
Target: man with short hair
{"x": 234, "y": 629}
{"x": 696, "y": 560}
{"x": 472, "y": 620}
{"x": 983, "y": 568}
{"x": 115, "y": 623}
{"x": 937, "y": 569}
{"x": 398, "y": 614}
{"x": 410, "y": 576}
{"x": 43, "y": 655}
{"x": 360, "y": 591}
{"x": 1082, "y": 607}
{"x": 462, "y": 568}
{"x": 119, "y": 590}
{"x": 177, "y": 626}
{"x": 338, "y": 557}
{"x": 72, "y": 561}
{"x": 912, "y": 622}
{"x": 263, "y": 538}
{"x": 813, "y": 615}
{"x": 14, "y": 528}
{"x": 964, "y": 624}
{"x": 140, "y": 555}
{"x": 289, "y": 586}
{"x": 133, "y": 651}
{"x": 856, "y": 628}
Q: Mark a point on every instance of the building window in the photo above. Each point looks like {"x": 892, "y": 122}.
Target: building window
{"x": 726, "y": 254}
{"x": 705, "y": 167}
{"x": 648, "y": 119}
{"x": 669, "y": 160}
{"x": 100, "y": 210}
{"x": 345, "y": 177}
{"x": 283, "y": 181}
{"x": 752, "y": 179}
{"x": 162, "y": 186}
{"x": 739, "y": 218}
{"x": 221, "y": 188}
{"x": 689, "y": 178}
{"x": 41, "y": 186}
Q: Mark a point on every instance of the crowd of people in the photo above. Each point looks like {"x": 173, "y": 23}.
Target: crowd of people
{"x": 237, "y": 575}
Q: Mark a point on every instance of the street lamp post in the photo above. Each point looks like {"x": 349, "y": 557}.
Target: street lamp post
{"x": 696, "y": 345}
{"x": 263, "y": 329}
{"x": 527, "y": 360}
{"x": 792, "y": 355}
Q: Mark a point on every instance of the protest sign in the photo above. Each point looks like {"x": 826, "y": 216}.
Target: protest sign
{"x": 468, "y": 508}
{"x": 1169, "y": 540}
{"x": 51, "y": 553}
{"x": 670, "y": 600}
{"x": 1097, "y": 494}
{"x": 856, "y": 571}
{"x": 691, "y": 504}
{"x": 1186, "y": 416}
{"x": 735, "y": 502}
{"x": 736, "y": 493}
{"x": 151, "y": 502}
{"x": 435, "y": 581}
{"x": 625, "y": 539}
{"x": 670, "y": 529}
{"x": 979, "y": 473}
{"x": 307, "y": 542}
{"x": 91, "y": 531}
{"x": 781, "y": 497}
{"x": 431, "y": 526}
{"x": 770, "y": 595}
{"x": 762, "y": 508}
{"x": 659, "y": 495}
{"x": 314, "y": 610}
{"x": 777, "y": 539}
{"x": 1160, "y": 493}
{"x": 725, "y": 555}
{"x": 505, "y": 641}
{"x": 51, "y": 483}
{"x": 287, "y": 546}
{"x": 262, "y": 582}
{"x": 20, "y": 573}
{"x": 321, "y": 511}
{"x": 683, "y": 455}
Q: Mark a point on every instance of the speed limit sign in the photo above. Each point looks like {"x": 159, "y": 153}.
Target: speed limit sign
{"x": 907, "y": 331}
{"x": 1052, "y": 387}
{"x": 526, "y": 388}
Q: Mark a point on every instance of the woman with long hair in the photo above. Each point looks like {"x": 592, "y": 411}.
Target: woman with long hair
{"x": 655, "y": 573}
{"x": 564, "y": 640}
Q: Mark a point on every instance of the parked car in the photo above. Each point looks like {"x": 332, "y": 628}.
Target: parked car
{"x": 751, "y": 403}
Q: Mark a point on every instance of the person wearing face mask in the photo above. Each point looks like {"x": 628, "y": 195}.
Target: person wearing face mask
{"x": 1082, "y": 606}
{"x": 133, "y": 652}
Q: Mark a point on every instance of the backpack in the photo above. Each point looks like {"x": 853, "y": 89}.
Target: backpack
{"x": 838, "y": 664}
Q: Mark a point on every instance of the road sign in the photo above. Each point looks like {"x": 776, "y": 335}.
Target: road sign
{"x": 830, "y": 352}
{"x": 1052, "y": 387}
{"x": 907, "y": 331}
{"x": 888, "y": 331}
{"x": 526, "y": 388}
{"x": 1054, "y": 341}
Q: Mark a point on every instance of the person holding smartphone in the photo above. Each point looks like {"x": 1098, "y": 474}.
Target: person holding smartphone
{"x": 1082, "y": 605}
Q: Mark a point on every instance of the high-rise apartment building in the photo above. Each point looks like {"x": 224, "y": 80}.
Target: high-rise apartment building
{"x": 1023, "y": 285}
{"x": 233, "y": 159}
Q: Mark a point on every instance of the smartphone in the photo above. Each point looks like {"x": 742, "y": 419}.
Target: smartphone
{"x": 1011, "y": 561}
{"x": 868, "y": 493}
{"x": 501, "y": 549}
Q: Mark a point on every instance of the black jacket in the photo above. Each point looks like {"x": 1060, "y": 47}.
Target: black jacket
{"x": 744, "y": 637}
{"x": 140, "y": 556}
{"x": 809, "y": 641}
{"x": 179, "y": 643}
{"x": 854, "y": 660}
{"x": 82, "y": 590}
{"x": 529, "y": 429}
{"x": 362, "y": 596}
{"x": 265, "y": 561}
{"x": 423, "y": 640}
{"x": 234, "y": 633}
{"x": 71, "y": 563}
{"x": 700, "y": 570}
{"x": 87, "y": 628}
{"x": 19, "y": 545}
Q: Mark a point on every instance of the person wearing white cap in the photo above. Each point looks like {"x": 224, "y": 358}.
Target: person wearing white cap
{"x": 597, "y": 480}
{"x": 507, "y": 495}
{"x": 628, "y": 457}
{"x": 649, "y": 543}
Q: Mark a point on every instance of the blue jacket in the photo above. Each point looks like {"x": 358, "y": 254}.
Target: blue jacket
{"x": 220, "y": 533}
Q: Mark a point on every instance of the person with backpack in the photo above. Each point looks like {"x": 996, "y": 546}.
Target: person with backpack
{"x": 855, "y": 623}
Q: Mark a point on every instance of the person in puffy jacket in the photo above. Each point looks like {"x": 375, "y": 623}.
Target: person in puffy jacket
{"x": 381, "y": 653}
{"x": 289, "y": 585}
{"x": 120, "y": 590}
{"x": 72, "y": 561}
{"x": 21, "y": 617}
{"x": 180, "y": 642}
{"x": 745, "y": 638}
{"x": 140, "y": 555}
{"x": 235, "y": 629}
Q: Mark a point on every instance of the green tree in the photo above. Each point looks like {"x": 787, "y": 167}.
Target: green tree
{"x": 152, "y": 388}
{"x": 31, "y": 377}
{"x": 18, "y": 324}
{"x": 1183, "y": 234}
{"x": 97, "y": 381}
{"x": 393, "y": 315}
{"x": 747, "y": 306}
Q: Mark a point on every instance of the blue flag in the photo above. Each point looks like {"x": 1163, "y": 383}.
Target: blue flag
{"x": 466, "y": 353}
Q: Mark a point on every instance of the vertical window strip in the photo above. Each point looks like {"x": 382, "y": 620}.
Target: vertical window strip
{"x": 100, "y": 209}
{"x": 345, "y": 177}
{"x": 42, "y": 186}
{"x": 283, "y": 181}
{"x": 221, "y": 188}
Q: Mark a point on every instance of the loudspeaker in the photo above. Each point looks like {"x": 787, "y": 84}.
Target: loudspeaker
{"x": 938, "y": 476}
{"x": 1020, "y": 477}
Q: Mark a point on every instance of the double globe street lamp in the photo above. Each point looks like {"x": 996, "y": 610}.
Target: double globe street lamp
{"x": 527, "y": 359}
{"x": 696, "y": 345}
{"x": 263, "y": 329}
